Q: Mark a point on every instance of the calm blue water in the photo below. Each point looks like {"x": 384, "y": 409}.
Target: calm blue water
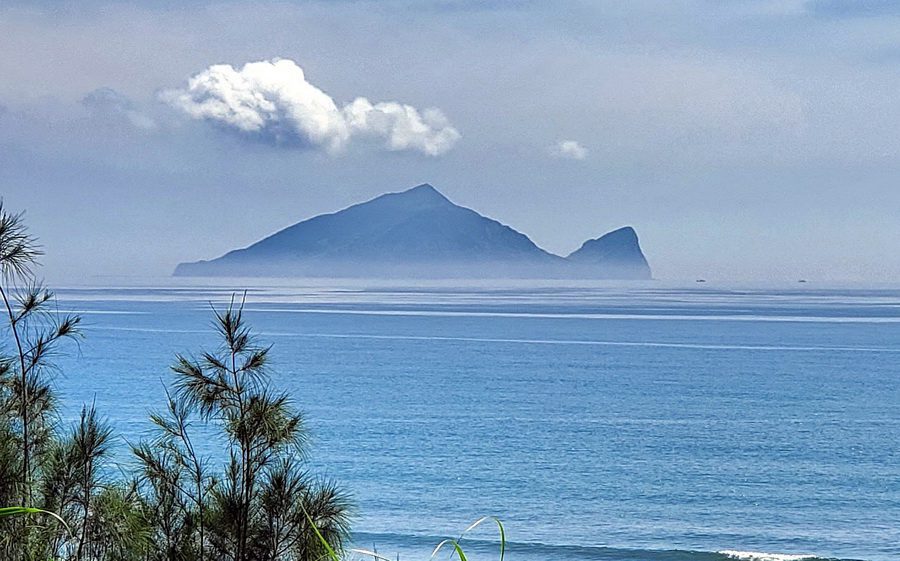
{"x": 643, "y": 423}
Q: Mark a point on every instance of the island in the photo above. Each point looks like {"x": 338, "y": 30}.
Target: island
{"x": 420, "y": 233}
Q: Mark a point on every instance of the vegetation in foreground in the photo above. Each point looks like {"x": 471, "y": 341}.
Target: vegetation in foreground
{"x": 261, "y": 505}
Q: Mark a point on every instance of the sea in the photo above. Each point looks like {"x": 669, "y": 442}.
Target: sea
{"x": 626, "y": 422}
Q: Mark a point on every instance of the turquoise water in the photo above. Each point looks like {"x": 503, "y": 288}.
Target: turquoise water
{"x": 599, "y": 422}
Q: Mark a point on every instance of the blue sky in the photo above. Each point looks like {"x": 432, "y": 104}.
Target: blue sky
{"x": 744, "y": 140}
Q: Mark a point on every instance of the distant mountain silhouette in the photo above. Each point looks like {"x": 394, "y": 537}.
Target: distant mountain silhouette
{"x": 617, "y": 253}
{"x": 419, "y": 233}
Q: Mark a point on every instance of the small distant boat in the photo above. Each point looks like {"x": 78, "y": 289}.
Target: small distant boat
{"x": 802, "y": 281}
{"x": 700, "y": 280}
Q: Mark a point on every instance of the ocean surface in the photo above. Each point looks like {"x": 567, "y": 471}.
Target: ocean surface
{"x": 599, "y": 422}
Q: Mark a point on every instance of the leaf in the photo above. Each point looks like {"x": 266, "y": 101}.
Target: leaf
{"x": 454, "y": 544}
{"x": 21, "y": 511}
{"x": 497, "y": 521}
{"x": 331, "y": 553}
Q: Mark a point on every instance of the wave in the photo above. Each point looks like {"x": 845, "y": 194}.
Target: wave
{"x": 763, "y": 556}
{"x": 711, "y": 316}
{"x": 526, "y": 551}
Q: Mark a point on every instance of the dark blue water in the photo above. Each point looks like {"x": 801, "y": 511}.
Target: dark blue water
{"x": 645, "y": 423}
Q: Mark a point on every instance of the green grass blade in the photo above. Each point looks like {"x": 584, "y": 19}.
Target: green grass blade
{"x": 499, "y": 524}
{"x": 331, "y": 553}
{"x": 474, "y": 525}
{"x": 456, "y": 549}
{"x": 23, "y": 511}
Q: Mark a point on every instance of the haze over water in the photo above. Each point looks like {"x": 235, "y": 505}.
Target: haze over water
{"x": 644, "y": 421}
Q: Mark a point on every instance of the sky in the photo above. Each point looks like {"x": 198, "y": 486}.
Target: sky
{"x": 744, "y": 140}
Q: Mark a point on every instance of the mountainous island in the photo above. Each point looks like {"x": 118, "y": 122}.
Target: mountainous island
{"x": 419, "y": 233}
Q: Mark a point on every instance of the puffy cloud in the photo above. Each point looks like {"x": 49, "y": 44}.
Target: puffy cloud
{"x": 402, "y": 126}
{"x": 109, "y": 102}
{"x": 272, "y": 101}
{"x": 569, "y": 149}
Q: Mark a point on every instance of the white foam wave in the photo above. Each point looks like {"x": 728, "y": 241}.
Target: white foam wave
{"x": 579, "y": 315}
{"x": 107, "y": 312}
{"x": 763, "y": 556}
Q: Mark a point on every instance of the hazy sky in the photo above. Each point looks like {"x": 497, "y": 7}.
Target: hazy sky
{"x": 743, "y": 139}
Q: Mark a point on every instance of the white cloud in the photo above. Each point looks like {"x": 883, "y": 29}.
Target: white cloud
{"x": 569, "y": 149}
{"x": 273, "y": 101}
